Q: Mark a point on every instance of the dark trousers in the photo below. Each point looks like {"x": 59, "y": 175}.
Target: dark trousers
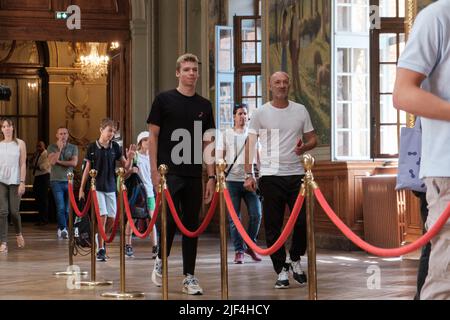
{"x": 277, "y": 192}
{"x": 40, "y": 188}
{"x": 187, "y": 195}
{"x": 425, "y": 254}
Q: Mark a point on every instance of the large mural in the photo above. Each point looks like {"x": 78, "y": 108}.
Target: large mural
{"x": 299, "y": 44}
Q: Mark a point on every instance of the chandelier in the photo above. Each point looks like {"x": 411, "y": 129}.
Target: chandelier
{"x": 94, "y": 66}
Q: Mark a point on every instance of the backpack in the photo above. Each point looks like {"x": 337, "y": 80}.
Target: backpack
{"x": 82, "y": 229}
{"x": 137, "y": 197}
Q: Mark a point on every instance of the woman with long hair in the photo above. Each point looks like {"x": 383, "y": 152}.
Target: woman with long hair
{"x": 12, "y": 182}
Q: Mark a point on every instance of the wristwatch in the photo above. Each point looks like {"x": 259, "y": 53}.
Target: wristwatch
{"x": 212, "y": 177}
{"x": 249, "y": 175}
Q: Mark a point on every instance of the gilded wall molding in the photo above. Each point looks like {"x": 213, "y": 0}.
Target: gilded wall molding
{"x": 411, "y": 12}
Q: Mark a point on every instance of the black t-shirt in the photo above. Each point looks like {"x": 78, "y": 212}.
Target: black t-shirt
{"x": 185, "y": 120}
{"x": 104, "y": 161}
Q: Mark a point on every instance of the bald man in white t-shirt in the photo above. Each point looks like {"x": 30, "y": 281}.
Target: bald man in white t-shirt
{"x": 285, "y": 132}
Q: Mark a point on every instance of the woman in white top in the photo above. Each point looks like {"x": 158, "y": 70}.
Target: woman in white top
{"x": 12, "y": 182}
{"x": 142, "y": 168}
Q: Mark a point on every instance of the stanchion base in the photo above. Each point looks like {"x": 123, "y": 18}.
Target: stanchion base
{"x": 94, "y": 283}
{"x": 70, "y": 273}
{"x": 123, "y": 295}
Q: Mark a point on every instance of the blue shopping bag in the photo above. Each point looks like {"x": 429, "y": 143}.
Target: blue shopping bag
{"x": 409, "y": 156}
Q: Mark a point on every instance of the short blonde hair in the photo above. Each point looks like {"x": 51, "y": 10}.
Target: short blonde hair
{"x": 187, "y": 57}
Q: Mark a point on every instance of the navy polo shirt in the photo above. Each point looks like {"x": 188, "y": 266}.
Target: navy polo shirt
{"x": 104, "y": 161}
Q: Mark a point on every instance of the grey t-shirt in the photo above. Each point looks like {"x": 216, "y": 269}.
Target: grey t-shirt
{"x": 59, "y": 173}
{"x": 279, "y": 131}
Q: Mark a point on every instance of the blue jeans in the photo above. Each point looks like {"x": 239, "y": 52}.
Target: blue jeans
{"x": 61, "y": 195}
{"x": 237, "y": 193}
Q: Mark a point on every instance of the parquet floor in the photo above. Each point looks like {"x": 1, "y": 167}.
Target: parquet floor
{"x": 28, "y": 273}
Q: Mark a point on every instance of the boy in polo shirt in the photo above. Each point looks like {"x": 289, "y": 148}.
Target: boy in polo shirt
{"x": 102, "y": 155}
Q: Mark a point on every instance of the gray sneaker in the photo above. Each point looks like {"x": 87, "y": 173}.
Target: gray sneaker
{"x": 64, "y": 234}
{"x": 157, "y": 272}
{"x": 191, "y": 286}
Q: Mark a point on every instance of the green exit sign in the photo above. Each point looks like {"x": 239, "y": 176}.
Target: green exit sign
{"x": 61, "y": 15}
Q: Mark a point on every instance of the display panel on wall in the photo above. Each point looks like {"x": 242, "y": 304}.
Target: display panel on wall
{"x": 299, "y": 44}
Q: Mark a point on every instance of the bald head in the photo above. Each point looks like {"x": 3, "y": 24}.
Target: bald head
{"x": 279, "y": 86}
{"x": 279, "y": 75}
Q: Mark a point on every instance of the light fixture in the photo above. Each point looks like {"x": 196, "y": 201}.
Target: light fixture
{"x": 94, "y": 66}
{"x": 114, "y": 45}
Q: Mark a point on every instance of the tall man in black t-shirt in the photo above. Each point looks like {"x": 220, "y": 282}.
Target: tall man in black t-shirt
{"x": 177, "y": 123}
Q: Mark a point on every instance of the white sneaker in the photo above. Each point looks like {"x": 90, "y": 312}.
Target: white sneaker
{"x": 157, "y": 272}
{"x": 58, "y": 234}
{"x": 283, "y": 279}
{"x": 64, "y": 234}
{"x": 191, "y": 286}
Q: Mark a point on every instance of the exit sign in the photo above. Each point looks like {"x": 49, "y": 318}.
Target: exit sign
{"x": 61, "y": 15}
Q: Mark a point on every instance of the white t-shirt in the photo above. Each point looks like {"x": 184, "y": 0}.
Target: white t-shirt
{"x": 232, "y": 142}
{"x": 279, "y": 131}
{"x": 428, "y": 52}
{"x": 143, "y": 163}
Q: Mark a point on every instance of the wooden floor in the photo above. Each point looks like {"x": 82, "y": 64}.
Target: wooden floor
{"x": 28, "y": 273}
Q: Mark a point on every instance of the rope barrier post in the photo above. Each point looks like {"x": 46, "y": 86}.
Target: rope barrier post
{"x": 93, "y": 283}
{"x": 122, "y": 294}
{"x": 220, "y": 187}
{"x": 308, "y": 163}
{"x": 163, "y": 169}
{"x": 70, "y": 270}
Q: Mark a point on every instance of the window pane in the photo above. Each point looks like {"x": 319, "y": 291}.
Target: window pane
{"x": 403, "y": 117}
{"x": 249, "y": 86}
{"x": 343, "y": 60}
{"x": 343, "y": 22}
{"x": 388, "y": 114}
{"x": 226, "y": 113}
{"x": 388, "y": 8}
{"x": 401, "y": 8}
{"x": 360, "y": 87}
{"x": 387, "y": 77}
{"x": 389, "y": 141}
{"x": 360, "y": 60}
{"x": 248, "y": 52}
{"x": 388, "y": 47}
{"x": 343, "y": 116}
{"x": 360, "y": 21}
{"x": 343, "y": 143}
{"x": 251, "y": 103}
{"x": 248, "y": 29}
{"x": 226, "y": 90}
{"x": 343, "y": 88}
{"x": 402, "y": 42}
{"x": 258, "y": 29}
{"x": 258, "y": 55}
{"x": 9, "y": 107}
{"x": 259, "y": 93}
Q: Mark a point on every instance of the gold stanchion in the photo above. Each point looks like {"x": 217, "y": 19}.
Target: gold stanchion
{"x": 122, "y": 294}
{"x": 308, "y": 163}
{"x": 163, "y": 169}
{"x": 70, "y": 269}
{"x": 93, "y": 282}
{"x": 220, "y": 187}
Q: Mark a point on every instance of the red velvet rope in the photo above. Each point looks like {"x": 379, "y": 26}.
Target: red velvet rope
{"x": 284, "y": 235}
{"x": 100, "y": 228}
{"x": 205, "y": 222}
{"x": 131, "y": 220}
{"x": 394, "y": 252}
{"x": 73, "y": 202}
